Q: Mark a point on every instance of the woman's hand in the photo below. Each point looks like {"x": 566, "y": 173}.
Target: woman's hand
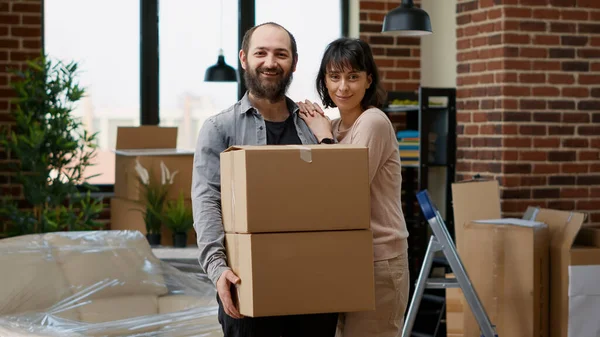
{"x": 316, "y": 120}
{"x": 310, "y": 108}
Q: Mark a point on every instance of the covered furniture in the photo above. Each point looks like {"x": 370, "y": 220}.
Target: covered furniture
{"x": 103, "y": 283}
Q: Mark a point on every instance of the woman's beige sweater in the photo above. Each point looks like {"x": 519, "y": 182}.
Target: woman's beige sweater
{"x": 374, "y": 130}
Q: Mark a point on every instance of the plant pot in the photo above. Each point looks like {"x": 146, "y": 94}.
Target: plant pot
{"x": 180, "y": 240}
{"x": 153, "y": 239}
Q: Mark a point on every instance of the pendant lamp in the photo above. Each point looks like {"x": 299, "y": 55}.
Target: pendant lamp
{"x": 221, "y": 71}
{"x": 407, "y": 20}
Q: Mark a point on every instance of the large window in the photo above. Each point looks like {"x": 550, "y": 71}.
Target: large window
{"x": 313, "y": 30}
{"x": 190, "y": 39}
{"x": 104, "y": 38}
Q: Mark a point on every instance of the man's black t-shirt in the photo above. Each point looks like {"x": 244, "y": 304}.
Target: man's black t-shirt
{"x": 279, "y": 133}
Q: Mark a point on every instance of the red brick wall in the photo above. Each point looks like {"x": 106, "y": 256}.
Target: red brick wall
{"x": 398, "y": 58}
{"x": 20, "y": 39}
{"x": 529, "y": 100}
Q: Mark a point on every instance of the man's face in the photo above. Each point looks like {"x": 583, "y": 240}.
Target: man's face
{"x": 269, "y": 64}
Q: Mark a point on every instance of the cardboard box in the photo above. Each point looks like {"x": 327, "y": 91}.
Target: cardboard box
{"x": 575, "y": 273}
{"x": 150, "y": 145}
{"x": 455, "y": 307}
{"x": 473, "y": 200}
{"x": 129, "y": 215}
{"x": 303, "y": 272}
{"x": 289, "y": 188}
{"x": 507, "y": 261}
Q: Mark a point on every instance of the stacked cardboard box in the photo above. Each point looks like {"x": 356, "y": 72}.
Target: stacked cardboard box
{"x": 148, "y": 145}
{"x": 506, "y": 259}
{"x": 536, "y": 276}
{"x": 297, "y": 228}
{"x": 454, "y": 311}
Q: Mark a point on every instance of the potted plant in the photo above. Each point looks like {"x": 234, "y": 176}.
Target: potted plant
{"x": 154, "y": 197}
{"x": 51, "y": 150}
{"x": 177, "y": 216}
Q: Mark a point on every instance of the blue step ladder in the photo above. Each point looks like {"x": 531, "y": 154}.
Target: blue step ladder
{"x": 441, "y": 241}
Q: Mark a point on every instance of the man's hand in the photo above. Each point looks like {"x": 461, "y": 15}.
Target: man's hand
{"x": 224, "y": 283}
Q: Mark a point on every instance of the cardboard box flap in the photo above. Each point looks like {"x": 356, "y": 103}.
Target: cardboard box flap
{"x": 290, "y": 147}
{"x": 153, "y": 152}
{"x": 304, "y": 150}
{"x": 564, "y": 226}
{"x": 513, "y": 222}
{"x": 146, "y": 137}
{"x": 268, "y": 147}
{"x": 487, "y": 205}
{"x": 234, "y": 148}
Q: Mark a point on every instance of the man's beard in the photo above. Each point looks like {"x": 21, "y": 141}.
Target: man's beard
{"x": 266, "y": 89}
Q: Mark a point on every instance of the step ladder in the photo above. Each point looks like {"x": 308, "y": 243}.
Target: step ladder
{"x": 441, "y": 241}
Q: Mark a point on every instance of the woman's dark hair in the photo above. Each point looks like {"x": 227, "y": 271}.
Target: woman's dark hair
{"x": 345, "y": 54}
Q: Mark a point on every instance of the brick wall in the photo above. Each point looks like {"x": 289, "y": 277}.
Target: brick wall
{"x": 398, "y": 58}
{"x": 20, "y": 39}
{"x": 529, "y": 100}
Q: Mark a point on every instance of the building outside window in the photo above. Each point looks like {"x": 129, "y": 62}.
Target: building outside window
{"x": 105, "y": 43}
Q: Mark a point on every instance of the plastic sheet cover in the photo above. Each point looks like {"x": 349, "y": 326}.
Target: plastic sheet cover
{"x": 103, "y": 283}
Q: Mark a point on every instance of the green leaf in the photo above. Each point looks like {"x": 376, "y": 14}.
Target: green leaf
{"x": 44, "y": 139}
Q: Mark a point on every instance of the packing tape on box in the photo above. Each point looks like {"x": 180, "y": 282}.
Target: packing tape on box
{"x": 564, "y": 228}
{"x": 305, "y": 152}
{"x": 534, "y": 213}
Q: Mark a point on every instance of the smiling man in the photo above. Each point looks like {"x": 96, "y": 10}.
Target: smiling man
{"x": 263, "y": 116}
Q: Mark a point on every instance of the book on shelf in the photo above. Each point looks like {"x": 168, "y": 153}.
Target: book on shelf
{"x": 403, "y": 134}
{"x": 409, "y": 154}
{"x": 408, "y": 147}
{"x": 409, "y": 163}
{"x": 408, "y": 140}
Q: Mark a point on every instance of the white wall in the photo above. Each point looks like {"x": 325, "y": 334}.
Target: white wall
{"x": 438, "y": 50}
{"x": 354, "y": 19}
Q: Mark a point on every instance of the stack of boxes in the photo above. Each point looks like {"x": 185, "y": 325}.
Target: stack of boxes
{"x": 148, "y": 145}
{"x": 536, "y": 276}
{"x": 297, "y": 228}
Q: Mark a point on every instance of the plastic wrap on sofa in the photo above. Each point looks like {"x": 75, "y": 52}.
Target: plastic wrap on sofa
{"x": 99, "y": 283}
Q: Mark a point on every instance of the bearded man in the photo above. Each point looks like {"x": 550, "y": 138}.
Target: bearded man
{"x": 263, "y": 116}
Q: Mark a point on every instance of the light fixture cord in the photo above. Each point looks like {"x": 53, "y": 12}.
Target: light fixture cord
{"x": 221, "y": 30}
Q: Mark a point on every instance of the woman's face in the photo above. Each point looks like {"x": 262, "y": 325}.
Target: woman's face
{"x": 347, "y": 87}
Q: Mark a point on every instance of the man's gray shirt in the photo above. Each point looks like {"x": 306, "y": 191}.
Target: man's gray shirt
{"x": 240, "y": 124}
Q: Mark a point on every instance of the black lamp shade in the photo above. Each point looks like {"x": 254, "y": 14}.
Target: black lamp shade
{"x": 407, "y": 20}
{"x": 220, "y": 72}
